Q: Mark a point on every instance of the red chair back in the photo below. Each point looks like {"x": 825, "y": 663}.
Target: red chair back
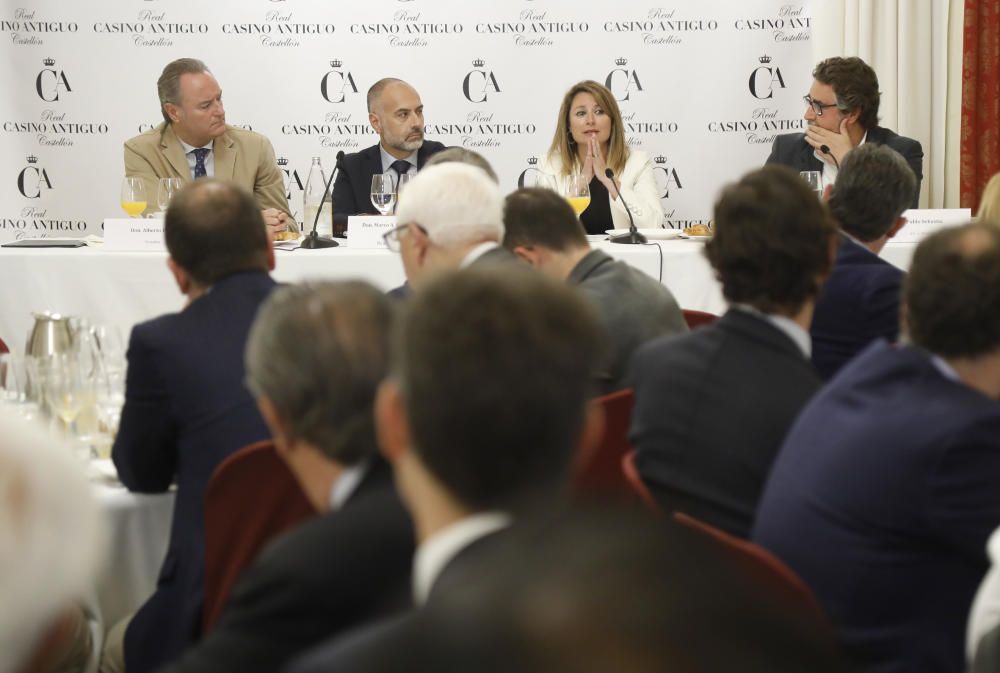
{"x": 698, "y": 318}
{"x": 598, "y": 473}
{"x": 780, "y": 582}
{"x": 3, "y": 347}
{"x": 251, "y": 498}
{"x": 635, "y": 481}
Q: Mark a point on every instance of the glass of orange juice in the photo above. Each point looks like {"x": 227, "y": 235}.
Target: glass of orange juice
{"x": 133, "y": 196}
{"x": 576, "y": 190}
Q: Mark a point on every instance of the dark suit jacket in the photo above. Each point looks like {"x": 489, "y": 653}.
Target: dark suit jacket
{"x": 329, "y": 575}
{"x": 882, "y": 499}
{"x": 858, "y": 304}
{"x": 711, "y": 410}
{"x": 186, "y": 410}
{"x": 632, "y": 307}
{"x": 353, "y": 187}
{"x": 791, "y": 149}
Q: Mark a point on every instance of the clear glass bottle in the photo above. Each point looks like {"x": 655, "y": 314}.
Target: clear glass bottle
{"x": 312, "y": 196}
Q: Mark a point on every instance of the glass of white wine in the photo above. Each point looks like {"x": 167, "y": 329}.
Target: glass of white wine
{"x": 383, "y": 193}
{"x": 64, "y": 389}
{"x": 133, "y": 197}
{"x": 165, "y": 190}
{"x": 576, "y": 190}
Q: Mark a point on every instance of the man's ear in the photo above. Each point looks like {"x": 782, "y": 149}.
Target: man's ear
{"x": 392, "y": 427}
{"x": 181, "y": 276}
{"x": 591, "y": 434}
{"x": 827, "y": 191}
{"x": 172, "y": 111}
{"x": 528, "y": 254}
{"x": 897, "y": 225}
{"x": 421, "y": 243}
{"x": 375, "y": 122}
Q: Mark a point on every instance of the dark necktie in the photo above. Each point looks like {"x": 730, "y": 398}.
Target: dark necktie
{"x": 199, "y": 162}
{"x": 401, "y": 167}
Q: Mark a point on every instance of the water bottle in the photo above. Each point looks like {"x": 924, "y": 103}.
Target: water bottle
{"x": 313, "y": 200}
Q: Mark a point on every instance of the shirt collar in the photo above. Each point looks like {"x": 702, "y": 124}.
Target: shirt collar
{"x": 387, "y": 158}
{"x": 830, "y": 171}
{"x": 478, "y": 252}
{"x": 439, "y": 549}
{"x": 787, "y": 326}
{"x": 946, "y": 369}
{"x": 347, "y": 483}
{"x": 188, "y": 149}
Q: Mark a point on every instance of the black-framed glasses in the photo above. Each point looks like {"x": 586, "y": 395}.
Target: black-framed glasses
{"x": 817, "y": 106}
{"x": 392, "y": 237}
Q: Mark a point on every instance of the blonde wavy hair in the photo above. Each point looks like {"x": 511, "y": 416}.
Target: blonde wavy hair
{"x": 563, "y": 146}
{"x": 989, "y": 204}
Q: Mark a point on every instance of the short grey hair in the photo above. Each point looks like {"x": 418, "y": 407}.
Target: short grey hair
{"x": 51, "y": 537}
{"x": 874, "y": 186}
{"x": 455, "y": 203}
{"x": 168, "y": 87}
{"x": 463, "y": 156}
{"x": 318, "y": 351}
{"x": 376, "y": 89}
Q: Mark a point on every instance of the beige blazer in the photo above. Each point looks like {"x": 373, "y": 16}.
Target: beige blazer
{"x": 242, "y": 157}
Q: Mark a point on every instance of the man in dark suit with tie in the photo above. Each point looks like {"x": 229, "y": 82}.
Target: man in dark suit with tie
{"x": 186, "y": 406}
{"x": 885, "y": 491}
{"x": 860, "y": 301}
{"x": 352, "y": 563}
{"x": 842, "y": 113}
{"x": 397, "y": 115}
{"x": 712, "y": 407}
{"x": 470, "y": 456}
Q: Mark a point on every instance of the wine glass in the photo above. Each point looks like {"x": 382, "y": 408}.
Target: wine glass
{"x": 576, "y": 190}
{"x": 383, "y": 192}
{"x": 815, "y": 181}
{"x": 64, "y": 389}
{"x": 110, "y": 397}
{"x": 401, "y": 182}
{"x": 165, "y": 190}
{"x": 133, "y": 198}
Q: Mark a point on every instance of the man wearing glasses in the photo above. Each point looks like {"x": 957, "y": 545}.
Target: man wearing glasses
{"x": 842, "y": 113}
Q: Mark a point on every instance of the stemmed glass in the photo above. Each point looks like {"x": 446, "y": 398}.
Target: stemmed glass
{"x": 383, "y": 193}
{"x": 64, "y": 389}
{"x": 576, "y": 190}
{"x": 165, "y": 191}
{"x": 133, "y": 197}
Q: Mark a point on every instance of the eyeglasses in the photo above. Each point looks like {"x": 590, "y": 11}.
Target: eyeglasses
{"x": 817, "y": 106}
{"x": 393, "y": 236}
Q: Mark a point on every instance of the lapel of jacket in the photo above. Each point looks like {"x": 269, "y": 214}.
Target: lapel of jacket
{"x": 173, "y": 152}
{"x": 225, "y": 156}
{"x": 807, "y": 157}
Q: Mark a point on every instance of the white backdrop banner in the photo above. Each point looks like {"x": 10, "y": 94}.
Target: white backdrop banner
{"x": 704, "y": 86}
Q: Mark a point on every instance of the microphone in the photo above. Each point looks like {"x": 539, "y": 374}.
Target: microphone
{"x": 825, "y": 149}
{"x": 633, "y": 236}
{"x": 314, "y": 240}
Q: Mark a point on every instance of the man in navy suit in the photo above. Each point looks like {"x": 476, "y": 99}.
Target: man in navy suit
{"x": 885, "y": 492}
{"x": 842, "y": 113}
{"x": 397, "y": 115}
{"x": 712, "y": 407}
{"x": 860, "y": 301}
{"x": 186, "y": 406}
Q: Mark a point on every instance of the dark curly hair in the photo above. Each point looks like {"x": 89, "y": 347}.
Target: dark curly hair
{"x": 874, "y": 186}
{"x": 773, "y": 241}
{"x": 952, "y": 292}
{"x": 855, "y": 84}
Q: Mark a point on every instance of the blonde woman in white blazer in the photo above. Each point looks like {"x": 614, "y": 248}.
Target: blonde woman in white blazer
{"x": 589, "y": 138}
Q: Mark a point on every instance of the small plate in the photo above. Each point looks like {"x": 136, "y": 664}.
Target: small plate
{"x": 657, "y": 233}
{"x": 695, "y": 238}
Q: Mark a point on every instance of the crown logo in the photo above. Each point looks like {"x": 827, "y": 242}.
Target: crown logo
{"x": 282, "y": 161}
{"x": 335, "y": 63}
{"x": 765, "y": 59}
{"x": 621, "y": 61}
{"x": 478, "y": 63}
{"x": 660, "y": 159}
{"x": 32, "y": 159}
{"x": 532, "y": 160}
{"x": 49, "y": 61}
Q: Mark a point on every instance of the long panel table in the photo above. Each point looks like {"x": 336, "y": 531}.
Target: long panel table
{"x": 122, "y": 288}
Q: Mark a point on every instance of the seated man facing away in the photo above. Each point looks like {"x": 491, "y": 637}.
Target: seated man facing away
{"x": 186, "y": 406}
{"x": 885, "y": 491}
{"x": 542, "y": 229}
{"x": 860, "y": 301}
{"x": 51, "y": 547}
{"x": 352, "y": 564}
{"x": 712, "y": 407}
{"x": 485, "y": 408}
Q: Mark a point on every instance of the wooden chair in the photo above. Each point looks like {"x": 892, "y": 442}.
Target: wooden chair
{"x": 696, "y": 319}
{"x": 635, "y": 481}
{"x": 598, "y": 473}
{"x": 251, "y": 498}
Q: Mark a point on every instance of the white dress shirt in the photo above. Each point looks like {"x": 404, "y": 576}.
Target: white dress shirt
{"x": 787, "y": 326}
{"x": 209, "y": 158}
{"x": 440, "y": 548}
{"x": 477, "y": 252}
{"x": 345, "y": 485}
{"x": 830, "y": 171}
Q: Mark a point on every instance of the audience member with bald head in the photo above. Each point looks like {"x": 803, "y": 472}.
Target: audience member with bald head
{"x": 396, "y": 113}
{"x": 186, "y": 405}
{"x": 885, "y": 491}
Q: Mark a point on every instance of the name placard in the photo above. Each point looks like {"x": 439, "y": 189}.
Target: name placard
{"x": 366, "y": 231}
{"x": 134, "y": 234}
{"x": 921, "y": 222}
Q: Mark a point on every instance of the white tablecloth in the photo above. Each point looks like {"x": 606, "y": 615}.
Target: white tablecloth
{"x": 121, "y": 288}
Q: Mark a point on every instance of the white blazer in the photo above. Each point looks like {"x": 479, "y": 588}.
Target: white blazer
{"x": 638, "y": 188}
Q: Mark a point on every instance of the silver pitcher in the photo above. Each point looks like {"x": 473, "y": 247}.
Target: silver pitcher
{"x": 52, "y": 334}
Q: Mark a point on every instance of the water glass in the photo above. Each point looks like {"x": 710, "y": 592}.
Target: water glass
{"x": 383, "y": 193}
{"x": 815, "y": 181}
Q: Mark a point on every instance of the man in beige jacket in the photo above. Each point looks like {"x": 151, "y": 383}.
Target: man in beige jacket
{"x": 194, "y": 141}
